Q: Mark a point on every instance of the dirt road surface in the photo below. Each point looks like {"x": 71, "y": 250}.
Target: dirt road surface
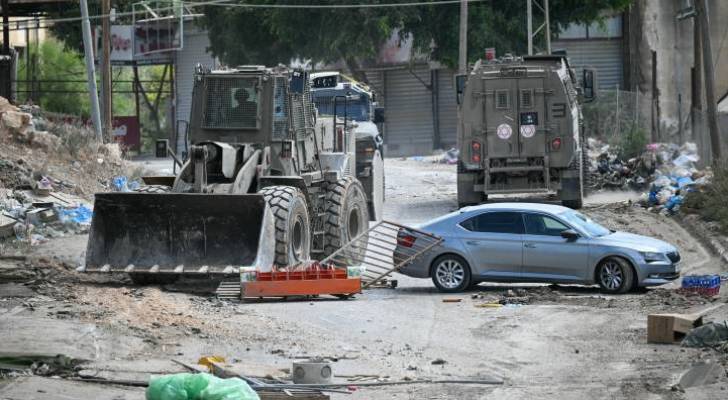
{"x": 566, "y": 342}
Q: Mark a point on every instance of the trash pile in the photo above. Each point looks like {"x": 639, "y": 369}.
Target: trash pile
{"x": 665, "y": 172}
{"x": 33, "y": 217}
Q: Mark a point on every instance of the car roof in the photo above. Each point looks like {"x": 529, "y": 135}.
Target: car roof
{"x": 547, "y": 208}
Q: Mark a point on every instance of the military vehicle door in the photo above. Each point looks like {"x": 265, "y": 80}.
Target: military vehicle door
{"x": 514, "y": 116}
{"x": 531, "y": 117}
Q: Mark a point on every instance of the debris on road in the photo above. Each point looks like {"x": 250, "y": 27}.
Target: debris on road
{"x": 702, "y": 373}
{"x": 704, "y": 285}
{"x": 670, "y": 328}
{"x": 708, "y": 335}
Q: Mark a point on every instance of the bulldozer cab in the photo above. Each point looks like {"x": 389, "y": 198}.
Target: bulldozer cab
{"x": 233, "y": 107}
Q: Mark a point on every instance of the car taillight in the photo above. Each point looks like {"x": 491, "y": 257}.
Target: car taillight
{"x": 556, "y": 144}
{"x": 475, "y": 152}
{"x": 405, "y": 240}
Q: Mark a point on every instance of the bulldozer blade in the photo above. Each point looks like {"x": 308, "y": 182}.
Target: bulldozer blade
{"x": 179, "y": 233}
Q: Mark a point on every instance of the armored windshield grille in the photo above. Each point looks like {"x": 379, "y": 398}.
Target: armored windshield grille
{"x": 526, "y": 98}
{"x": 280, "y": 109}
{"x": 231, "y": 103}
{"x": 299, "y": 114}
{"x": 501, "y": 99}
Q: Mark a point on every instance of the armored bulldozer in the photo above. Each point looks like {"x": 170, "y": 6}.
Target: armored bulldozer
{"x": 520, "y": 129}
{"x": 268, "y": 183}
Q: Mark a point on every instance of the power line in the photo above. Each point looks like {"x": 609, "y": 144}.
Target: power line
{"x": 228, "y": 3}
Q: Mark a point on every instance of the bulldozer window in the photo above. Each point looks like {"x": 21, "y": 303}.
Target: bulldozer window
{"x": 231, "y": 103}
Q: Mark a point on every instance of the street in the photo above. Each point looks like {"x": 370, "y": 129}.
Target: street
{"x": 566, "y": 342}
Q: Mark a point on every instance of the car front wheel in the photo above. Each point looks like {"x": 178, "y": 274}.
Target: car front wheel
{"x": 615, "y": 275}
{"x": 451, "y": 273}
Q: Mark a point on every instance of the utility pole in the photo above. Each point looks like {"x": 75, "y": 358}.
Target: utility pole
{"x": 548, "y": 25}
{"x": 106, "y": 67}
{"x": 90, "y": 71}
{"x": 463, "y": 51}
{"x": 6, "y": 63}
{"x": 529, "y": 25}
{"x": 702, "y": 16}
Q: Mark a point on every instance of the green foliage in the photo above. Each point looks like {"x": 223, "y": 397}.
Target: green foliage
{"x": 709, "y": 201}
{"x": 55, "y": 65}
{"x": 270, "y": 36}
{"x": 631, "y": 143}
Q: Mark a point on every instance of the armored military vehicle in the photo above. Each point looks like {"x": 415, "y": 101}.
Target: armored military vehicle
{"x": 520, "y": 129}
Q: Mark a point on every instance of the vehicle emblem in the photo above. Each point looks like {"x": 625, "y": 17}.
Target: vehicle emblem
{"x": 504, "y": 131}
{"x": 528, "y": 131}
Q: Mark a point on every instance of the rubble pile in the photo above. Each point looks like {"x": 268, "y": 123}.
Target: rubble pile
{"x": 35, "y": 146}
{"x": 664, "y": 172}
{"x": 27, "y": 217}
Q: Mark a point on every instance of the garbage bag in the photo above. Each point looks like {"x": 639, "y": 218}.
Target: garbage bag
{"x": 712, "y": 334}
{"x": 120, "y": 183}
{"x": 78, "y": 215}
{"x": 186, "y": 386}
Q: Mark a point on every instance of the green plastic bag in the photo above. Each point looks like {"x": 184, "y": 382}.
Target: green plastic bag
{"x": 198, "y": 387}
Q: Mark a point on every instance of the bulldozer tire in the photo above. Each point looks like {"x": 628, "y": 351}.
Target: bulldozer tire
{"x": 153, "y": 189}
{"x": 292, "y": 224}
{"x": 153, "y": 279}
{"x": 347, "y": 217}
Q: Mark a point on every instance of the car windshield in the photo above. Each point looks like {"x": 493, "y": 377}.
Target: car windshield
{"x": 584, "y": 223}
{"x": 357, "y": 110}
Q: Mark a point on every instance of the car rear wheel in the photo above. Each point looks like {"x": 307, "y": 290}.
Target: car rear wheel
{"x": 451, "y": 274}
{"x": 615, "y": 275}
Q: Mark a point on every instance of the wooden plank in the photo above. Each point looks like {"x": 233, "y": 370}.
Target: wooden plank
{"x": 292, "y": 396}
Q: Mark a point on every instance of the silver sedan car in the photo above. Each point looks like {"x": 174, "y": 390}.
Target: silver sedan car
{"x": 527, "y": 242}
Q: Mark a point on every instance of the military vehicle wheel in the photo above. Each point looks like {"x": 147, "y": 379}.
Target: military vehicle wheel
{"x": 347, "y": 217}
{"x": 153, "y": 279}
{"x": 153, "y": 189}
{"x": 376, "y": 204}
{"x": 292, "y": 224}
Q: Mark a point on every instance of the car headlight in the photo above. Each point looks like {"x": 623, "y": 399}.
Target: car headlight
{"x": 650, "y": 256}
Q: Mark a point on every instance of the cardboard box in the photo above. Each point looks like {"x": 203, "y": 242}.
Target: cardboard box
{"x": 670, "y": 328}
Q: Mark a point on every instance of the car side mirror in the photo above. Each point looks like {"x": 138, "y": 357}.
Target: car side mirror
{"x": 570, "y": 235}
{"x": 160, "y": 148}
{"x": 460, "y": 81}
{"x": 379, "y": 115}
{"x": 589, "y": 85}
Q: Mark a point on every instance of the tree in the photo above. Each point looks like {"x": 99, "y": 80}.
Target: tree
{"x": 56, "y": 71}
{"x": 277, "y": 35}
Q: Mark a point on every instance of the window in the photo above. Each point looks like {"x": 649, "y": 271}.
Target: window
{"x": 537, "y": 224}
{"x": 495, "y": 222}
{"x": 231, "y": 103}
{"x": 526, "y": 98}
{"x": 501, "y": 100}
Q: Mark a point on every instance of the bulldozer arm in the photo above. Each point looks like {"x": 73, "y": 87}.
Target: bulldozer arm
{"x": 180, "y": 233}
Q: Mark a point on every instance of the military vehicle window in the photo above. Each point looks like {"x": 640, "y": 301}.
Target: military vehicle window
{"x": 526, "y": 98}
{"x": 501, "y": 99}
{"x": 231, "y": 103}
{"x": 280, "y": 109}
{"x": 495, "y": 222}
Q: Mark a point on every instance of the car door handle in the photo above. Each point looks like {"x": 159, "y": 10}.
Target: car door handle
{"x": 529, "y": 245}
{"x": 471, "y": 242}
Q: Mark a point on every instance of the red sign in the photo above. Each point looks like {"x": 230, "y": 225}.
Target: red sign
{"x": 490, "y": 53}
{"x": 126, "y": 132}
